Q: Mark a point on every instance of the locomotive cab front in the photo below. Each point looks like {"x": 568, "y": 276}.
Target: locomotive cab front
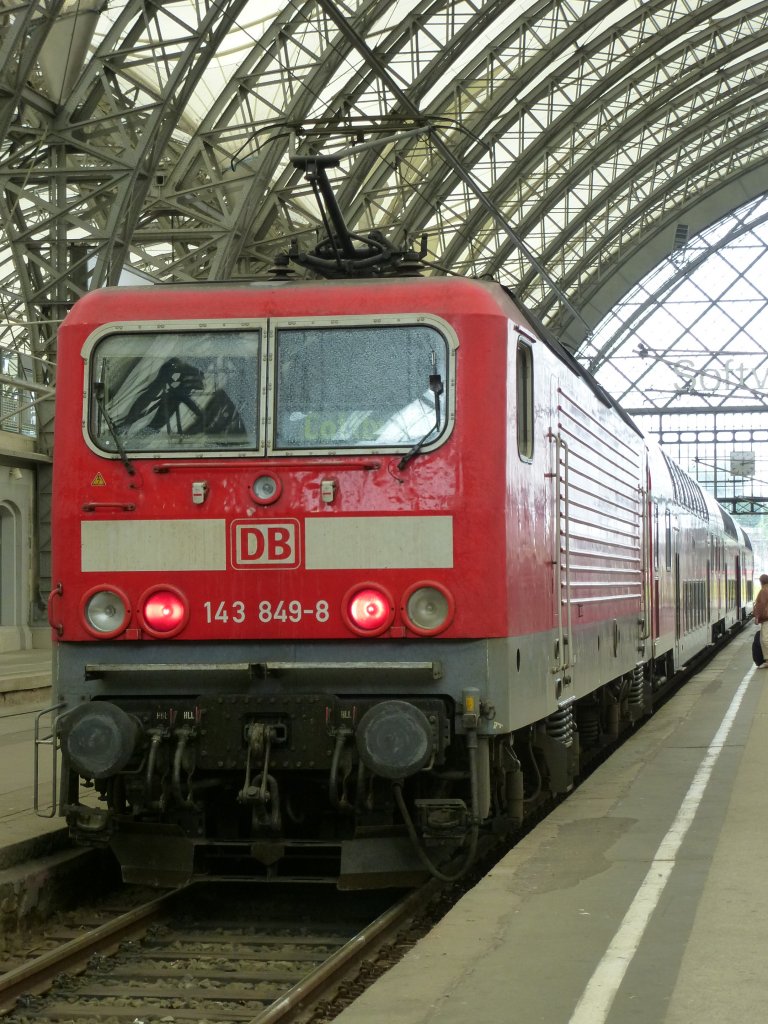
{"x": 280, "y": 542}
{"x": 350, "y": 575}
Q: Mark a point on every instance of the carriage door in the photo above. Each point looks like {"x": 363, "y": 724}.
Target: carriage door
{"x": 656, "y": 576}
{"x": 673, "y": 563}
{"x": 678, "y": 603}
{"x": 647, "y": 548}
{"x": 738, "y": 587}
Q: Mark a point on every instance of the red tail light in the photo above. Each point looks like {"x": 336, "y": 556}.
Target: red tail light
{"x": 368, "y": 610}
{"x": 163, "y": 612}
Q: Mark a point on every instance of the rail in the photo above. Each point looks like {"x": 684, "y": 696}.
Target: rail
{"x": 329, "y": 973}
{"x": 38, "y": 974}
{"x": 262, "y": 973}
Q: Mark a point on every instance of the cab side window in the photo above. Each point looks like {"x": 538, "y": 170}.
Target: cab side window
{"x": 524, "y": 378}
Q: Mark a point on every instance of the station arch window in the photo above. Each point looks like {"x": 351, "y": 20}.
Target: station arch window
{"x": 9, "y": 565}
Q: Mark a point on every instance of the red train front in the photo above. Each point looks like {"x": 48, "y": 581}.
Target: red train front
{"x": 316, "y": 607}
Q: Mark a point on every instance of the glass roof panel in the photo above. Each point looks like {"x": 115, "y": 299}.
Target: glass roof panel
{"x": 703, "y": 339}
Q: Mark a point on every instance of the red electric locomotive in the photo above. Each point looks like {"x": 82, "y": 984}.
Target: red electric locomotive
{"x": 348, "y": 573}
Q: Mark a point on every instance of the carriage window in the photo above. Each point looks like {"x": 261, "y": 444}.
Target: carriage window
{"x": 360, "y": 387}
{"x": 176, "y": 391}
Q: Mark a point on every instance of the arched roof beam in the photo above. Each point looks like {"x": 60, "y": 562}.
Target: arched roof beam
{"x": 504, "y": 108}
{"x": 98, "y": 103}
{"x": 443, "y": 177}
{"x": 23, "y": 36}
{"x": 612, "y": 88}
{"x": 246, "y": 203}
{"x": 689, "y": 181}
{"x": 443, "y": 149}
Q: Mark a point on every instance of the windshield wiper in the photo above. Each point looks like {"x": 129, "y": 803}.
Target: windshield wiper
{"x": 98, "y": 392}
{"x": 436, "y": 387}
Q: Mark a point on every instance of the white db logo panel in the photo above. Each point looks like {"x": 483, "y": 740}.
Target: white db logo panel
{"x": 266, "y": 544}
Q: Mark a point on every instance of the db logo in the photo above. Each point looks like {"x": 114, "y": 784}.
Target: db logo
{"x": 269, "y": 542}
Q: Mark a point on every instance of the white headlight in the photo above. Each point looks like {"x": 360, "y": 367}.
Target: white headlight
{"x": 106, "y": 612}
{"x": 266, "y": 489}
{"x": 429, "y": 609}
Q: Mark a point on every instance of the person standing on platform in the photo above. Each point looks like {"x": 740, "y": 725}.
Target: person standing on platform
{"x": 760, "y": 612}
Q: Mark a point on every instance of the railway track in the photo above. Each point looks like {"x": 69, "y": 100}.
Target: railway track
{"x": 207, "y": 954}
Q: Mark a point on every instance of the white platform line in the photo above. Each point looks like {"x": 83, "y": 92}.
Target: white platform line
{"x": 598, "y": 996}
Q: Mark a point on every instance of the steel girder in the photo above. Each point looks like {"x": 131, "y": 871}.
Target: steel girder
{"x": 553, "y": 144}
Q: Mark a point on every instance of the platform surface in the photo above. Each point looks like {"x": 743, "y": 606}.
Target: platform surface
{"x": 640, "y": 900}
{"x": 20, "y": 825}
{"x": 24, "y": 676}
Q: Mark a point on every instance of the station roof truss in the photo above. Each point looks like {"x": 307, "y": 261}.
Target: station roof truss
{"x": 563, "y": 147}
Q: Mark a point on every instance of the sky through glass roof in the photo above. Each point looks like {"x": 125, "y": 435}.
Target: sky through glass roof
{"x": 693, "y": 332}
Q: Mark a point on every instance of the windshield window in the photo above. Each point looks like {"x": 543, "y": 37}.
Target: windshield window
{"x": 176, "y": 391}
{"x": 357, "y": 387}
